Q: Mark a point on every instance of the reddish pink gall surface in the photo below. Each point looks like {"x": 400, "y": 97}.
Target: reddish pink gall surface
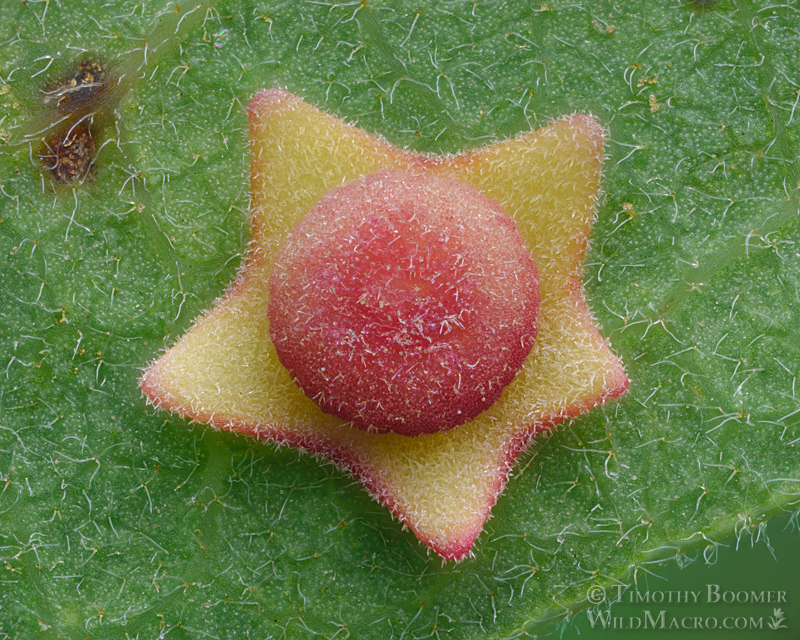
{"x": 404, "y": 302}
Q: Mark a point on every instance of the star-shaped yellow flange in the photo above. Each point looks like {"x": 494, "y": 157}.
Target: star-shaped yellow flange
{"x": 225, "y": 372}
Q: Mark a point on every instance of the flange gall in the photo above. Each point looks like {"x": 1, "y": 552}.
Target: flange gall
{"x": 226, "y": 369}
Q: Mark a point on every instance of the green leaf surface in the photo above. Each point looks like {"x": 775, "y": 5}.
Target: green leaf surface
{"x": 119, "y": 521}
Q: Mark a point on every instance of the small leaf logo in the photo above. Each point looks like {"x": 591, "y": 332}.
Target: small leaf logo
{"x": 776, "y": 621}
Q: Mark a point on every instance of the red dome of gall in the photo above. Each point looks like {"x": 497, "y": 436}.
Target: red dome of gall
{"x": 404, "y": 302}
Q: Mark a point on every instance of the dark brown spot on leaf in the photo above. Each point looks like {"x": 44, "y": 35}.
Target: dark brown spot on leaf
{"x": 68, "y": 154}
{"x": 81, "y": 90}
